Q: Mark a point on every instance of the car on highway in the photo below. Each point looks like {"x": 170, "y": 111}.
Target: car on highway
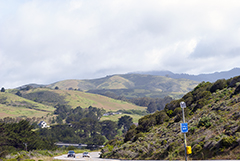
{"x": 86, "y": 154}
{"x": 71, "y": 153}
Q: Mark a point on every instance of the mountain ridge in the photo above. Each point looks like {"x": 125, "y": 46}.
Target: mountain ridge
{"x": 140, "y": 84}
{"x": 211, "y": 77}
{"x": 130, "y": 85}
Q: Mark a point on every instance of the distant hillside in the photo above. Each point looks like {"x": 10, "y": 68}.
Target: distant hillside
{"x": 130, "y": 86}
{"x": 40, "y": 102}
{"x": 49, "y": 97}
{"x": 212, "y": 115}
{"x": 212, "y": 77}
{"x": 12, "y": 105}
{"x": 140, "y": 84}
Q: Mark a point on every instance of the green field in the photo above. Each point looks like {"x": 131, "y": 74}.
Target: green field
{"x": 43, "y": 100}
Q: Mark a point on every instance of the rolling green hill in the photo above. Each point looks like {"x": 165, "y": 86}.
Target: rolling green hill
{"x": 39, "y": 102}
{"x": 12, "y": 105}
{"x": 77, "y": 98}
{"x": 131, "y": 85}
{"x": 41, "y": 99}
{"x": 212, "y": 115}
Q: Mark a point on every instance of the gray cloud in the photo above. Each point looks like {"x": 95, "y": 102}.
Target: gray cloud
{"x": 47, "y": 41}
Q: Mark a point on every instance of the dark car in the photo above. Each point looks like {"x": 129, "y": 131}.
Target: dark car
{"x": 71, "y": 153}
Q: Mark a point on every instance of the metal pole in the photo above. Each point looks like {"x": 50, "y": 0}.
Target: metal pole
{"x": 185, "y": 140}
{"x": 25, "y": 146}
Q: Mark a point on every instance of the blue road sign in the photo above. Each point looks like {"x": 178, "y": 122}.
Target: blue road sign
{"x": 184, "y": 127}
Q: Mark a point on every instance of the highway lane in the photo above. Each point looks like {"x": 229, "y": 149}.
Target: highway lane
{"x": 95, "y": 157}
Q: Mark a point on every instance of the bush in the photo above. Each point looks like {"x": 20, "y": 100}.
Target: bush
{"x": 130, "y": 135}
{"x": 45, "y": 153}
{"x": 192, "y": 129}
{"x": 205, "y": 121}
{"x": 228, "y": 141}
{"x": 145, "y": 123}
{"x": 110, "y": 147}
{"x": 197, "y": 148}
{"x": 138, "y": 136}
{"x": 237, "y": 90}
{"x": 172, "y": 105}
{"x": 234, "y": 81}
{"x": 160, "y": 117}
{"x": 178, "y": 118}
{"x": 219, "y": 84}
{"x": 177, "y": 111}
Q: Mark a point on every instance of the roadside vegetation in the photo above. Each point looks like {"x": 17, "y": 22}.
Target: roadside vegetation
{"x": 212, "y": 115}
{"x": 40, "y": 155}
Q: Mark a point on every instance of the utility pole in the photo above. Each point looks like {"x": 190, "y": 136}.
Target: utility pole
{"x": 184, "y": 128}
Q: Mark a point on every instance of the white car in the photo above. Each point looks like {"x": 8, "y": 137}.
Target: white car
{"x": 86, "y": 154}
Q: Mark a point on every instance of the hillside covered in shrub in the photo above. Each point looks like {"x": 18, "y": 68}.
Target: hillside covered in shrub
{"x": 212, "y": 114}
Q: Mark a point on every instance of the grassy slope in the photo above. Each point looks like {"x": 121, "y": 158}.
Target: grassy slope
{"x": 77, "y": 98}
{"x": 214, "y": 133}
{"x": 15, "y": 106}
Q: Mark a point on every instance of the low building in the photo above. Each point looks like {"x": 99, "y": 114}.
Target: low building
{"x": 43, "y": 124}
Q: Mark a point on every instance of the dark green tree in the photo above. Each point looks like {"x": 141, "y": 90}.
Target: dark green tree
{"x": 160, "y": 117}
{"x": 19, "y": 93}
{"x": 109, "y": 129}
{"x": 237, "y": 90}
{"x": 145, "y": 123}
{"x": 21, "y": 134}
{"x": 219, "y": 84}
{"x": 2, "y": 89}
{"x": 125, "y": 122}
{"x": 152, "y": 107}
{"x": 130, "y": 133}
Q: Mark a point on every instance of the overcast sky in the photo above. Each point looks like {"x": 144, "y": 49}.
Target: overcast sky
{"x": 44, "y": 41}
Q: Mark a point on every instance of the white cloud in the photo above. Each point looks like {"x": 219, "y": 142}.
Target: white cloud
{"x": 48, "y": 41}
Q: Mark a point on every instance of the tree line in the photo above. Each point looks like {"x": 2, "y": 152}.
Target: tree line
{"x": 77, "y": 125}
{"x": 83, "y": 125}
{"x": 21, "y": 136}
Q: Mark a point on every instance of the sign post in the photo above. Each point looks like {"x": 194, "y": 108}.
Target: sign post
{"x": 184, "y": 128}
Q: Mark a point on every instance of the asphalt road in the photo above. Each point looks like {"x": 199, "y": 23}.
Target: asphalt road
{"x": 95, "y": 157}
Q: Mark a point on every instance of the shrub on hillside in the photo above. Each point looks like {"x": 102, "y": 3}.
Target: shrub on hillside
{"x": 177, "y": 111}
{"x": 45, "y": 97}
{"x": 130, "y": 133}
{"x": 160, "y": 117}
{"x": 228, "y": 141}
{"x": 234, "y": 81}
{"x": 205, "y": 121}
{"x": 219, "y": 84}
{"x": 237, "y": 90}
{"x": 188, "y": 98}
{"x": 145, "y": 123}
{"x": 170, "y": 107}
